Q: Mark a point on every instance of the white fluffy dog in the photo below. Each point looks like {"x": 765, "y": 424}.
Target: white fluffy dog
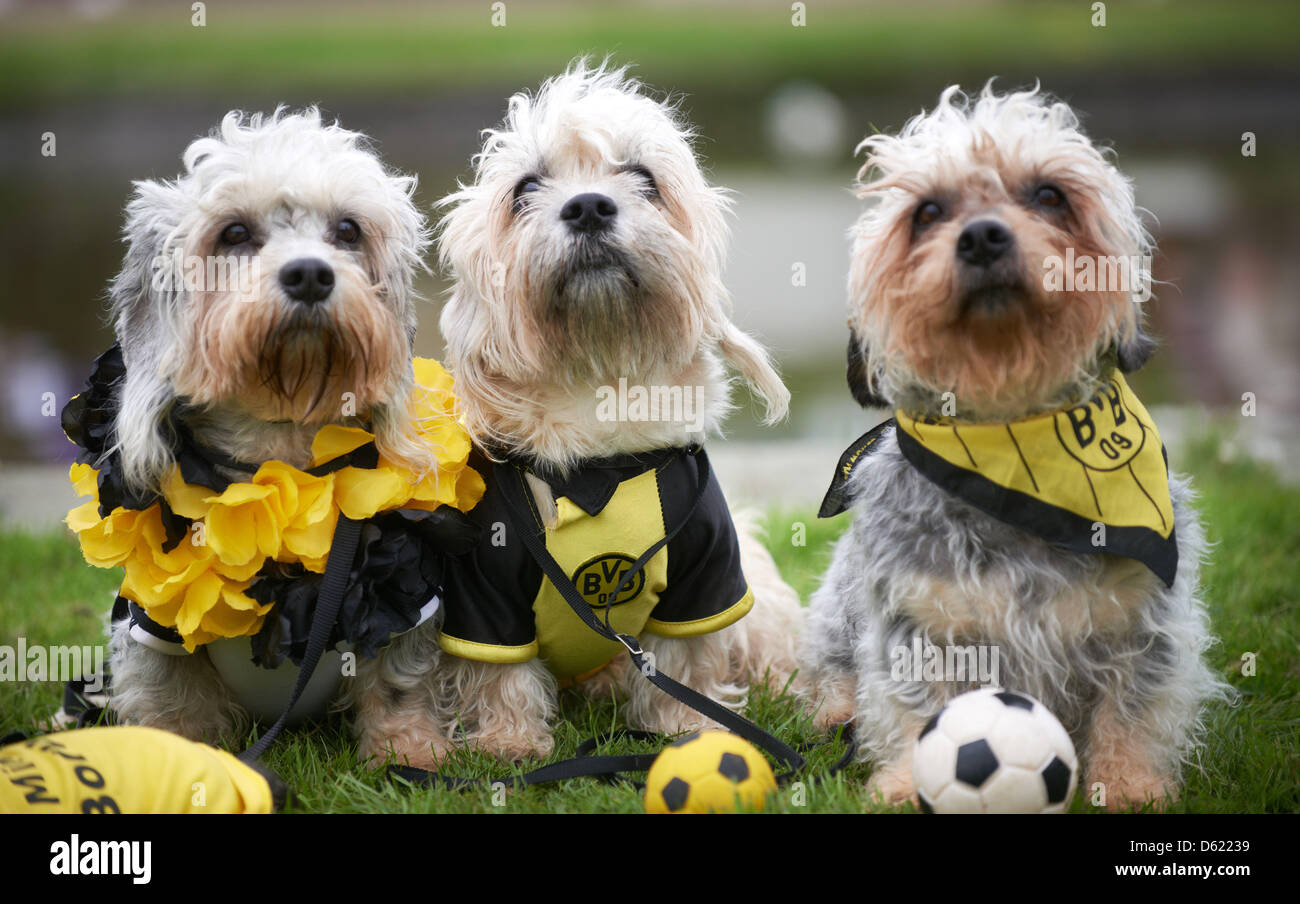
{"x": 588, "y": 251}
{"x": 250, "y": 372}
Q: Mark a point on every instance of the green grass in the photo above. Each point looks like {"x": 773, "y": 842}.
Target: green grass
{"x": 396, "y": 49}
{"x": 1251, "y": 762}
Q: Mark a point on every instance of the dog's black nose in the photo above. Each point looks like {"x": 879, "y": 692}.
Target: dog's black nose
{"x": 308, "y": 279}
{"x": 590, "y": 212}
{"x": 983, "y": 242}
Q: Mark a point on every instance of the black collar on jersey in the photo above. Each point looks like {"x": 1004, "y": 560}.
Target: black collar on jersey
{"x": 591, "y": 482}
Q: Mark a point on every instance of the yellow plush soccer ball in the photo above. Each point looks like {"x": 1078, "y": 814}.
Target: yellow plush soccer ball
{"x": 708, "y": 772}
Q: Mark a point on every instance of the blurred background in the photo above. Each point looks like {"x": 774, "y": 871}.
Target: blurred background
{"x": 1172, "y": 86}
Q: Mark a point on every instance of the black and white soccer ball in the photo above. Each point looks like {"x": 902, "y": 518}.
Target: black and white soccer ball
{"x": 994, "y": 751}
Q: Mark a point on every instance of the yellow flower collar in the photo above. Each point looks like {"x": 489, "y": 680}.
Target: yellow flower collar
{"x": 282, "y": 514}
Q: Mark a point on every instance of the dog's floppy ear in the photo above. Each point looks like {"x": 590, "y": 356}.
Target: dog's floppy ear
{"x": 144, "y": 311}
{"x": 1133, "y": 352}
{"x": 859, "y": 385}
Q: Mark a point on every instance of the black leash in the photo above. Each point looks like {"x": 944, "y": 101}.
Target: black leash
{"x": 608, "y": 768}
{"x": 343, "y": 548}
{"x": 522, "y": 512}
{"x": 526, "y": 522}
{"x": 328, "y": 602}
{"x": 334, "y": 583}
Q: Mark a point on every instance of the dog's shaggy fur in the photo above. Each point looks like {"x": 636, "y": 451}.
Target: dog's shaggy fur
{"x": 1111, "y": 650}
{"x": 542, "y": 315}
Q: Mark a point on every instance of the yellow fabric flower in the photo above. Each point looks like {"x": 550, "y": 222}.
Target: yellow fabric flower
{"x": 213, "y": 607}
{"x": 155, "y": 579}
{"x": 183, "y": 589}
{"x": 461, "y": 488}
{"x": 85, "y": 479}
{"x": 434, "y": 379}
{"x": 309, "y": 529}
{"x": 243, "y": 525}
{"x": 361, "y": 492}
{"x": 333, "y": 441}
{"x": 236, "y": 614}
{"x": 186, "y": 499}
{"x": 433, "y": 412}
{"x": 105, "y": 542}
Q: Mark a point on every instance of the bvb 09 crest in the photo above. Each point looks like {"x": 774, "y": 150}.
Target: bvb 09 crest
{"x": 1101, "y": 434}
{"x": 597, "y": 578}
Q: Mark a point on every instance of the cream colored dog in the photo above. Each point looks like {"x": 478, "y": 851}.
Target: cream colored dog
{"x": 587, "y": 255}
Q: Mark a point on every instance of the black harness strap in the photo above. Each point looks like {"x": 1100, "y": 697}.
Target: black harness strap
{"x": 328, "y": 602}
{"x": 516, "y": 490}
{"x": 606, "y": 767}
{"x": 584, "y": 765}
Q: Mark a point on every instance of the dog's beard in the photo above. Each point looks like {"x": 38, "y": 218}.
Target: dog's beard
{"x": 596, "y": 277}
{"x": 605, "y": 314}
{"x": 306, "y": 361}
{"x": 992, "y": 338}
{"x": 277, "y": 360}
{"x": 993, "y": 295}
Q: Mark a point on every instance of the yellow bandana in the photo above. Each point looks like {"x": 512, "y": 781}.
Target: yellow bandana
{"x": 1091, "y": 478}
{"x": 281, "y": 513}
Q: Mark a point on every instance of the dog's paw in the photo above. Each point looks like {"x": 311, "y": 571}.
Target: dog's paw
{"x": 406, "y": 750}
{"x": 1134, "y": 789}
{"x": 672, "y": 718}
{"x": 833, "y": 702}
{"x": 829, "y": 715}
{"x": 515, "y": 746}
{"x": 892, "y": 784}
{"x": 601, "y": 686}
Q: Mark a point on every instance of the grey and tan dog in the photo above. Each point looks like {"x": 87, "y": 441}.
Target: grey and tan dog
{"x": 956, "y": 326}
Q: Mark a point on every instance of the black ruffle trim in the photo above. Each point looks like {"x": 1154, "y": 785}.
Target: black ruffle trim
{"x": 398, "y": 568}
{"x": 90, "y": 419}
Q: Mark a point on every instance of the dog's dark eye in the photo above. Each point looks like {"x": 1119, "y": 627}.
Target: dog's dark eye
{"x": 1049, "y": 196}
{"x": 927, "y": 212}
{"x": 348, "y": 232}
{"x": 235, "y": 234}
{"x": 651, "y": 186}
{"x": 530, "y": 183}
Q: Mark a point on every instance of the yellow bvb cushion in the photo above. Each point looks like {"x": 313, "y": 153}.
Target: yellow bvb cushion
{"x": 126, "y": 769}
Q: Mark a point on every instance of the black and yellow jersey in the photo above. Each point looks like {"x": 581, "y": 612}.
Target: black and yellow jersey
{"x": 499, "y": 607}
